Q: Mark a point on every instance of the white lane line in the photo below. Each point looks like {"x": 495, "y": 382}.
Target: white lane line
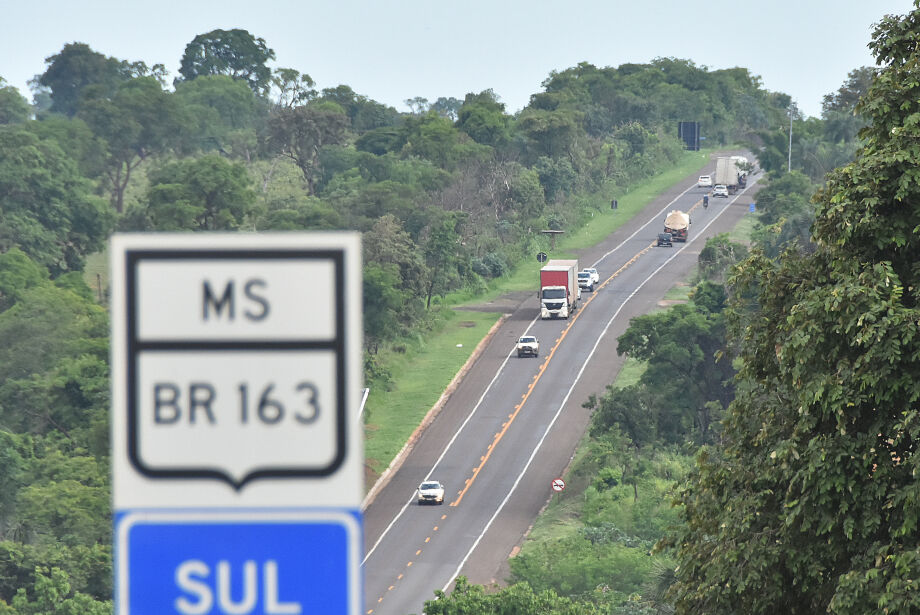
{"x": 447, "y": 448}
{"x": 644, "y": 226}
{"x": 568, "y": 394}
{"x": 499, "y": 372}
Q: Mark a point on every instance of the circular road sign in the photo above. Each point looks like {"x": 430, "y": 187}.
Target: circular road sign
{"x": 541, "y": 257}
{"x": 558, "y": 484}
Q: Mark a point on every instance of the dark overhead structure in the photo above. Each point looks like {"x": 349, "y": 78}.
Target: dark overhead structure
{"x": 689, "y": 133}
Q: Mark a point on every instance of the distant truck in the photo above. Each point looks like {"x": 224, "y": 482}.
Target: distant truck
{"x": 731, "y": 172}
{"x": 744, "y": 167}
{"x": 677, "y": 223}
{"x": 726, "y": 173}
{"x": 558, "y": 289}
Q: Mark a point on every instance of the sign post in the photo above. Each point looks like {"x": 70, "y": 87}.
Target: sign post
{"x": 237, "y": 474}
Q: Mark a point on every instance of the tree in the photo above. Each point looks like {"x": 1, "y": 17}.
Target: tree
{"x": 483, "y": 118}
{"x": 46, "y": 208}
{"x": 77, "y": 67}
{"x": 718, "y": 257}
{"x": 550, "y": 133}
{"x": 52, "y": 595}
{"x": 417, "y": 105}
{"x": 682, "y": 347}
{"x": 14, "y": 109}
{"x": 442, "y": 256}
{"x": 137, "y": 122}
{"x": 236, "y": 53}
{"x": 520, "y": 598}
{"x": 220, "y": 109}
{"x": 293, "y": 88}
{"x": 202, "y": 194}
{"x": 388, "y": 244}
{"x": 813, "y": 504}
{"x": 435, "y": 138}
{"x": 300, "y": 133}
{"x": 447, "y": 106}
{"x": 847, "y": 97}
{"x": 384, "y": 303}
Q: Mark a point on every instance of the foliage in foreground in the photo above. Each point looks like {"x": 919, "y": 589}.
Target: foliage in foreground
{"x": 813, "y": 504}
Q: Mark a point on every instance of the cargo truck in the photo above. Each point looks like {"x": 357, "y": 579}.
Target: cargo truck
{"x": 727, "y": 173}
{"x": 678, "y": 224}
{"x": 558, "y": 289}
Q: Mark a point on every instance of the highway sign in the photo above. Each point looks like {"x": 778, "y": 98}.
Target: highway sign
{"x": 541, "y": 257}
{"x": 236, "y": 359}
{"x": 558, "y": 484}
{"x": 271, "y": 563}
{"x": 237, "y": 463}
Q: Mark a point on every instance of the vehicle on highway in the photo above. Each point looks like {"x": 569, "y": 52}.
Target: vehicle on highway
{"x": 664, "y": 239}
{"x": 528, "y": 345}
{"x": 705, "y": 181}
{"x": 559, "y": 289}
{"x": 720, "y": 190}
{"x": 677, "y": 223}
{"x": 594, "y": 274}
{"x": 586, "y": 280}
{"x": 431, "y": 492}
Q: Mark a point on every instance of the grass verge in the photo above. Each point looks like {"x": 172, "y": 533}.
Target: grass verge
{"x": 417, "y": 381}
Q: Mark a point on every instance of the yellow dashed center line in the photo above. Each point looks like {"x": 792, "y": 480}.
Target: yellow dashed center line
{"x": 542, "y": 369}
{"x": 524, "y": 397}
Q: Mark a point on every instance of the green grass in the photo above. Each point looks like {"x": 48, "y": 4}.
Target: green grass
{"x": 630, "y": 373}
{"x": 742, "y": 231}
{"x": 419, "y": 378}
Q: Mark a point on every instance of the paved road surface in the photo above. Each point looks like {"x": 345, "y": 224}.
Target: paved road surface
{"x": 513, "y": 424}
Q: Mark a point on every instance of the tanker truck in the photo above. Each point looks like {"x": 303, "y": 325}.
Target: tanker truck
{"x": 677, "y": 223}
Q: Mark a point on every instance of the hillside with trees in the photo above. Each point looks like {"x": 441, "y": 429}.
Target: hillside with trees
{"x": 449, "y": 196}
{"x": 803, "y": 499}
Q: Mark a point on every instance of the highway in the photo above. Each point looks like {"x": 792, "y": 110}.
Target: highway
{"x": 512, "y": 425}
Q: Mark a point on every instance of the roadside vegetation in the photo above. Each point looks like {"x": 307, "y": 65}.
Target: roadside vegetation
{"x": 451, "y": 198}
{"x": 762, "y": 461}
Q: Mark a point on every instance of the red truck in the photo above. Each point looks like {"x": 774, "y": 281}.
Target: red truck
{"x": 558, "y": 289}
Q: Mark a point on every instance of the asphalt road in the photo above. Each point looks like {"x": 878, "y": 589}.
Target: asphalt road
{"x": 513, "y": 424}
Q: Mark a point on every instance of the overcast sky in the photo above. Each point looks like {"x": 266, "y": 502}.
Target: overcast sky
{"x": 398, "y": 49}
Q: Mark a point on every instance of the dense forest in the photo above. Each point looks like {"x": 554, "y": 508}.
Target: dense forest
{"x": 449, "y": 196}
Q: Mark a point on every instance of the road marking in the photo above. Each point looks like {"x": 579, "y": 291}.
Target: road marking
{"x": 543, "y": 367}
{"x": 584, "y": 365}
{"x": 505, "y": 426}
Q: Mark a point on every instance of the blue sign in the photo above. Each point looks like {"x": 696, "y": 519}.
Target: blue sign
{"x": 242, "y": 562}
{"x": 753, "y": 207}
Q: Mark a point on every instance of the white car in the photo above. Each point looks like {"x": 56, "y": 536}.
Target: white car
{"x": 431, "y": 492}
{"x": 585, "y": 280}
{"x": 528, "y": 345}
{"x": 705, "y": 181}
{"x": 720, "y": 190}
{"x": 594, "y": 274}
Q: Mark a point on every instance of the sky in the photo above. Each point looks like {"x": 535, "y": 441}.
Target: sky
{"x": 394, "y": 50}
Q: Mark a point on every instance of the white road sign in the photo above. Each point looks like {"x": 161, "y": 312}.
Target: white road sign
{"x": 236, "y": 367}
